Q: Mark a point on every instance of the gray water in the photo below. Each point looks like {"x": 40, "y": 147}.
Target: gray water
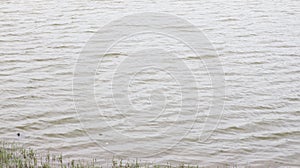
{"x": 258, "y": 45}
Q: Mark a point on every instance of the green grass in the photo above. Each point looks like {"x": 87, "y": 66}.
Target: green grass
{"x": 15, "y": 156}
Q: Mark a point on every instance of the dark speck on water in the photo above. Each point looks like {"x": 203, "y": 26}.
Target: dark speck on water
{"x": 18, "y": 134}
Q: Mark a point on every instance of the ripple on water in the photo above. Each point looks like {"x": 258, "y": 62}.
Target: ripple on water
{"x": 258, "y": 43}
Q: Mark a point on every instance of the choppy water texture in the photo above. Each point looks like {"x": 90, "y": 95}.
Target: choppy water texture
{"x": 258, "y": 44}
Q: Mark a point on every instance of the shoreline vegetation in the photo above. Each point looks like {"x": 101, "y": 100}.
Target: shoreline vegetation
{"x": 15, "y": 156}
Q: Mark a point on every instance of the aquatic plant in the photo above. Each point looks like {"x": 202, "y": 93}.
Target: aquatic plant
{"x": 15, "y": 156}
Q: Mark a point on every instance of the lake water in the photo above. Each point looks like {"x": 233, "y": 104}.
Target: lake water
{"x": 258, "y": 45}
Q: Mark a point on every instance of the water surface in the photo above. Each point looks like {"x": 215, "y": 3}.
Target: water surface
{"x": 258, "y": 44}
